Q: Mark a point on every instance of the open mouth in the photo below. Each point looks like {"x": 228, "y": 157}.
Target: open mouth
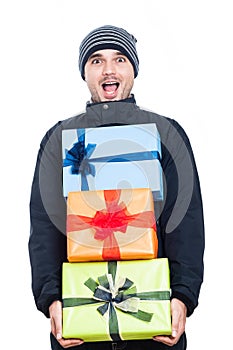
{"x": 110, "y": 87}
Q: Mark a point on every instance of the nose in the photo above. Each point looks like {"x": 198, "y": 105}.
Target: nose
{"x": 109, "y": 68}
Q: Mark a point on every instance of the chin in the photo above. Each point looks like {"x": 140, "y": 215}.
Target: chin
{"x": 104, "y": 99}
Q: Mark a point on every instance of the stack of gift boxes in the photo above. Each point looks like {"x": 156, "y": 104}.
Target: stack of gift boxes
{"x": 114, "y": 286}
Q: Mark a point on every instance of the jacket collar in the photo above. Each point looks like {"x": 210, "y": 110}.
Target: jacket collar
{"x": 112, "y": 112}
{"x": 130, "y": 99}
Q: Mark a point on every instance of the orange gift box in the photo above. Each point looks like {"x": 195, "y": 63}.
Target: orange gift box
{"x": 109, "y": 225}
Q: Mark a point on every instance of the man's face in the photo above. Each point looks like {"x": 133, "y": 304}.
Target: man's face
{"x": 109, "y": 76}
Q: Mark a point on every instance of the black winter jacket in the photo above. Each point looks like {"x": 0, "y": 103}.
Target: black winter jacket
{"x": 180, "y": 221}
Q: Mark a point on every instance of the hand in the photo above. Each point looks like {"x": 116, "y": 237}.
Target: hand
{"x": 55, "y": 312}
{"x": 178, "y": 312}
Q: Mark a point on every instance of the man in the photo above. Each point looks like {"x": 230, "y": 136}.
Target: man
{"x": 108, "y": 62}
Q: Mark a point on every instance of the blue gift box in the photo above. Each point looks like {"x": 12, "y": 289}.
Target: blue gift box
{"x": 112, "y": 157}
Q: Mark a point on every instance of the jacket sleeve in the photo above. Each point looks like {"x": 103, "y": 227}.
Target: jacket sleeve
{"x": 47, "y": 242}
{"x": 181, "y": 220}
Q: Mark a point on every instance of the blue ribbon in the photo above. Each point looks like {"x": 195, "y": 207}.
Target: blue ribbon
{"x": 78, "y": 157}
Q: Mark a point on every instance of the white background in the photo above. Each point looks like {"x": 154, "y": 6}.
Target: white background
{"x": 185, "y": 51}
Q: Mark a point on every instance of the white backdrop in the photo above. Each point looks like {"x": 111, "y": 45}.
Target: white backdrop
{"x": 185, "y": 51}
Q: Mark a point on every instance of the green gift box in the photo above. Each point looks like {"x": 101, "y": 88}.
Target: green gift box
{"x": 116, "y": 300}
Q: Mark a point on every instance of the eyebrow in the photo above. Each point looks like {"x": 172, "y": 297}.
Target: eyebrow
{"x": 98, "y": 54}
{"x": 94, "y": 55}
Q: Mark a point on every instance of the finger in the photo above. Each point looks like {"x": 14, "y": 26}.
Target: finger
{"x": 178, "y": 311}
{"x": 56, "y": 330}
{"x": 53, "y": 327}
{"x": 175, "y": 323}
{"x": 66, "y": 343}
{"x": 57, "y": 327}
{"x": 167, "y": 340}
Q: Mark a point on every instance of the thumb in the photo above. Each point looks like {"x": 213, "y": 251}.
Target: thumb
{"x": 175, "y": 326}
{"x": 58, "y": 327}
{"x": 56, "y": 319}
{"x": 178, "y": 311}
{"x": 174, "y": 332}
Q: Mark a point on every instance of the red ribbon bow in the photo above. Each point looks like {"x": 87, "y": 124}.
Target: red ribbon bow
{"x": 115, "y": 217}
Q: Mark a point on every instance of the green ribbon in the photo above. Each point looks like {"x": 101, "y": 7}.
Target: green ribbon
{"x": 120, "y": 294}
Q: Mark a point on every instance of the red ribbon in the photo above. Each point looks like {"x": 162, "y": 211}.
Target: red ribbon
{"x": 115, "y": 217}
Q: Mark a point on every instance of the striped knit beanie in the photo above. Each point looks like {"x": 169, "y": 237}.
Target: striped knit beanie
{"x": 108, "y": 37}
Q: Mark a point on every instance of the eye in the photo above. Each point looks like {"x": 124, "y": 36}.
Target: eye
{"x": 121, "y": 59}
{"x": 96, "y": 61}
